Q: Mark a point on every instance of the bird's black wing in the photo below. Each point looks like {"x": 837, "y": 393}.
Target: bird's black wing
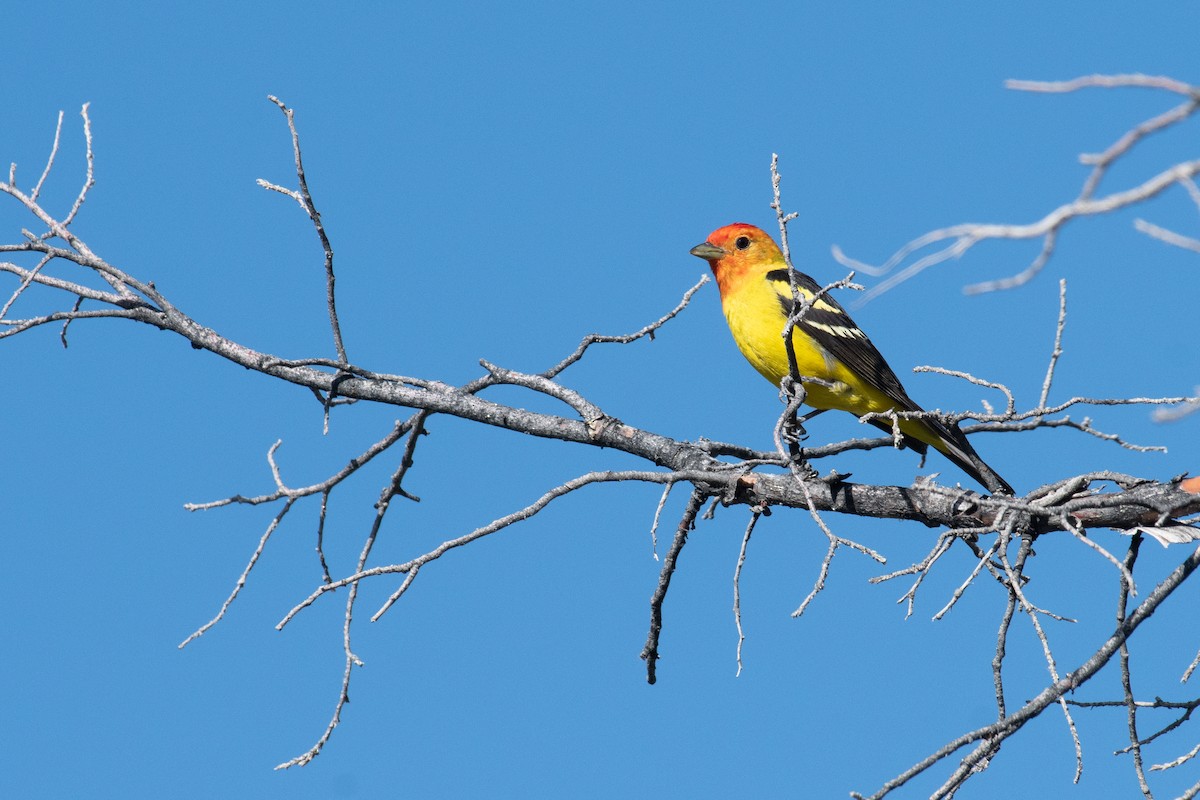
{"x": 830, "y": 326}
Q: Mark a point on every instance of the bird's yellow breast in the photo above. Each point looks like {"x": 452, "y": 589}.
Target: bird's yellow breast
{"x": 756, "y": 321}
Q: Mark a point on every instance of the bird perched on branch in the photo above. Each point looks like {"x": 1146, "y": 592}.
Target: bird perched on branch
{"x": 836, "y": 362}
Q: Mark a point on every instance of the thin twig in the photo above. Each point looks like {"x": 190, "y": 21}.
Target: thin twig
{"x": 1183, "y": 759}
{"x": 961, "y": 238}
{"x": 492, "y": 527}
{"x": 90, "y": 179}
{"x": 1010, "y": 608}
{"x": 920, "y": 569}
{"x": 780, "y": 217}
{"x": 1103, "y": 82}
{"x": 1080, "y": 536}
{"x": 1123, "y": 595}
{"x": 647, "y": 330}
{"x": 37, "y": 189}
{"x": 686, "y": 521}
{"x": 1187, "y": 673}
{"x": 241, "y": 581}
{"x": 391, "y": 490}
{"x": 1184, "y": 409}
{"x": 662, "y": 502}
{"x": 306, "y": 202}
{"x": 1169, "y": 237}
{"x": 737, "y": 586}
{"x": 962, "y": 587}
{"x": 1057, "y": 352}
{"x": 26, "y": 282}
{"x": 1009, "y": 725}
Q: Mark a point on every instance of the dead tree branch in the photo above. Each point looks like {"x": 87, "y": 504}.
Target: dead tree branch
{"x": 960, "y": 239}
{"x": 49, "y": 264}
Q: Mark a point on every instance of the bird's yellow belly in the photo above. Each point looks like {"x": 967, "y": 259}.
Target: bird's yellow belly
{"x": 760, "y": 338}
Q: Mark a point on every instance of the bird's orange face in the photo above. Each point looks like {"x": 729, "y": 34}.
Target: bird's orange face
{"x": 737, "y": 252}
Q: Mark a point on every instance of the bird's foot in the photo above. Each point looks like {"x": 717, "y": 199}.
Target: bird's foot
{"x": 801, "y": 468}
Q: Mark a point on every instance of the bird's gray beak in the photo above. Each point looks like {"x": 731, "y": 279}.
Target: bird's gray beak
{"x": 709, "y": 252}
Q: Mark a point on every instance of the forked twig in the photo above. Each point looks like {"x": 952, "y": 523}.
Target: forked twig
{"x": 959, "y": 239}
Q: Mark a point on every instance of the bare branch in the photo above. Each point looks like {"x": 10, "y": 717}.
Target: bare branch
{"x": 686, "y": 522}
{"x": 835, "y": 541}
{"x": 1126, "y": 591}
{"x": 1008, "y": 725}
{"x": 960, "y": 239}
{"x": 26, "y": 282}
{"x": 737, "y": 586}
{"x": 983, "y": 559}
{"x": 37, "y": 189}
{"x": 241, "y": 581}
{"x": 1188, "y": 756}
{"x": 351, "y": 659}
{"x": 1010, "y": 402}
{"x": 486, "y": 530}
{"x": 1187, "y": 674}
{"x": 1186, "y": 407}
{"x": 1057, "y": 352}
{"x": 1164, "y": 235}
{"x": 920, "y": 569}
{"x": 721, "y": 472}
{"x": 662, "y": 502}
{"x": 1015, "y": 575}
{"x": 648, "y": 330}
{"x": 89, "y": 181}
{"x": 282, "y": 491}
{"x": 1104, "y": 82}
{"x": 782, "y": 218}
{"x": 590, "y": 414}
{"x": 1126, "y": 575}
{"x": 304, "y": 197}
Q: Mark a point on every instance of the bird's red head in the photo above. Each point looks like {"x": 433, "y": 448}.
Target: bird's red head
{"x": 737, "y": 252}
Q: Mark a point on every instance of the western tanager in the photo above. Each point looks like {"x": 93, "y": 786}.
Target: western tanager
{"x": 849, "y": 373}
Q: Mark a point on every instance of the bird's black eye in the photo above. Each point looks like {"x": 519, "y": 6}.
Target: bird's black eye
{"x": 742, "y": 242}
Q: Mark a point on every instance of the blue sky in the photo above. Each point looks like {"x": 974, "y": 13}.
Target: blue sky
{"x": 498, "y": 183}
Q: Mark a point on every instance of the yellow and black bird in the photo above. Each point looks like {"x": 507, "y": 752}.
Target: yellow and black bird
{"x": 850, "y": 374}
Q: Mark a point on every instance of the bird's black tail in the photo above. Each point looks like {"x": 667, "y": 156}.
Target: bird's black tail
{"x": 953, "y": 445}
